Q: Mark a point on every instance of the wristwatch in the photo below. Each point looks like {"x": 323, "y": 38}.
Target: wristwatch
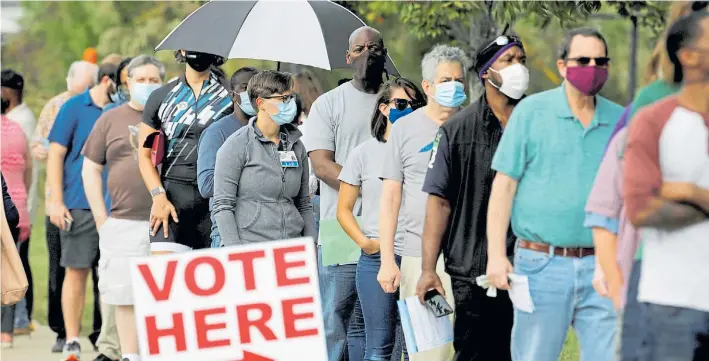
{"x": 156, "y": 191}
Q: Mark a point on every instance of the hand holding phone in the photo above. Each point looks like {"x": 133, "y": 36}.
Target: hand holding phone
{"x": 437, "y": 304}
{"x": 68, "y": 223}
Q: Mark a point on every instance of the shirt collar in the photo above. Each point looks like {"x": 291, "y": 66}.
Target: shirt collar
{"x": 86, "y": 98}
{"x": 291, "y": 131}
{"x": 563, "y": 110}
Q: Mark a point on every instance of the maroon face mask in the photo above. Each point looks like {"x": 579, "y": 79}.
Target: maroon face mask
{"x": 589, "y": 80}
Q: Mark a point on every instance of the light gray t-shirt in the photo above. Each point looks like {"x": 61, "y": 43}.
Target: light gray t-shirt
{"x": 362, "y": 169}
{"x": 339, "y": 120}
{"x": 406, "y": 159}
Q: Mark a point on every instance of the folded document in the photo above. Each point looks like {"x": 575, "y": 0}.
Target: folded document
{"x": 519, "y": 291}
{"x": 423, "y": 331}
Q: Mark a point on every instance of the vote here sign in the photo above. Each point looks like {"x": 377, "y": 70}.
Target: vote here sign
{"x": 257, "y": 302}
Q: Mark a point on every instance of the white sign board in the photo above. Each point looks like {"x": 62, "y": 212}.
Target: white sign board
{"x": 257, "y": 302}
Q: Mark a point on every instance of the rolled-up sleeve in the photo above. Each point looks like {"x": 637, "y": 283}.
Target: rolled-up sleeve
{"x": 437, "y": 176}
{"x": 511, "y": 155}
{"x": 595, "y": 220}
{"x": 227, "y": 173}
{"x": 302, "y": 200}
{"x": 641, "y": 169}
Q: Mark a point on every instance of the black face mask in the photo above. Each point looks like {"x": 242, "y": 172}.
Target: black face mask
{"x": 199, "y": 61}
{"x": 5, "y": 104}
{"x": 368, "y": 66}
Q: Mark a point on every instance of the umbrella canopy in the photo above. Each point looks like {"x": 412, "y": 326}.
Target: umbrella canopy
{"x": 314, "y": 33}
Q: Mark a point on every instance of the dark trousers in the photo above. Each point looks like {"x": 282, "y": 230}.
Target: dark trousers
{"x": 483, "y": 325}
{"x": 54, "y": 285}
{"x": 24, "y": 250}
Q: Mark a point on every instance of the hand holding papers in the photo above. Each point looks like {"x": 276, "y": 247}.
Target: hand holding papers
{"x": 519, "y": 291}
{"x": 423, "y": 331}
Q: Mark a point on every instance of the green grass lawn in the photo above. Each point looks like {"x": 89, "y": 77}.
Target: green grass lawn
{"x": 39, "y": 263}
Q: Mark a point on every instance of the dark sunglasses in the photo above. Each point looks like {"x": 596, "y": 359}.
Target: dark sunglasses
{"x": 585, "y": 60}
{"x": 699, "y": 5}
{"x": 401, "y": 104}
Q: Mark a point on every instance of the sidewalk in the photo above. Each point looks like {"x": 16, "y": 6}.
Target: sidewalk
{"x": 37, "y": 347}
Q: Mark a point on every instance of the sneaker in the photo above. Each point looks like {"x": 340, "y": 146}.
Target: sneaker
{"x": 59, "y": 345}
{"x": 72, "y": 351}
{"x": 102, "y": 357}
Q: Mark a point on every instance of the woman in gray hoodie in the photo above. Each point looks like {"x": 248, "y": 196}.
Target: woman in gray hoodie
{"x": 261, "y": 173}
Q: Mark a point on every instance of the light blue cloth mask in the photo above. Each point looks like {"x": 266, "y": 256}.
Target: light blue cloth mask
{"x": 141, "y": 92}
{"x": 450, "y": 94}
{"x": 286, "y": 112}
{"x": 245, "y": 104}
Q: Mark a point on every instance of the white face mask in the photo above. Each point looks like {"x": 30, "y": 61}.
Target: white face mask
{"x": 515, "y": 80}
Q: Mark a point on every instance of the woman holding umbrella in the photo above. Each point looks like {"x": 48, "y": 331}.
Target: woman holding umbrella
{"x": 261, "y": 175}
{"x": 176, "y": 114}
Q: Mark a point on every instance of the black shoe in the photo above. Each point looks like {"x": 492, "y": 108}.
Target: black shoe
{"x": 102, "y": 357}
{"x": 59, "y": 345}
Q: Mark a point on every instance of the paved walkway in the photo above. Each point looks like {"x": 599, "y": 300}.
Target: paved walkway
{"x": 37, "y": 347}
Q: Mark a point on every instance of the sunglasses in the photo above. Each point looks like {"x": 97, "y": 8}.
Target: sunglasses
{"x": 699, "y": 5}
{"x": 401, "y": 104}
{"x": 585, "y": 60}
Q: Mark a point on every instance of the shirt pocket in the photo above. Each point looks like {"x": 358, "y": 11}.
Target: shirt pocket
{"x": 528, "y": 262}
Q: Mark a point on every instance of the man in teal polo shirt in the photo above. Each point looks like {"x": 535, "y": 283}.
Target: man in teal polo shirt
{"x": 546, "y": 164}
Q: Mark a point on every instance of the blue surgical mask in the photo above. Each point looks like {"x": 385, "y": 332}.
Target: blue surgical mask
{"x": 286, "y": 112}
{"x": 141, "y": 92}
{"x": 395, "y": 114}
{"x": 450, "y": 94}
{"x": 245, "y": 104}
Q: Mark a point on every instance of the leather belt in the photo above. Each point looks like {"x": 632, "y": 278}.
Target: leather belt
{"x": 576, "y": 252}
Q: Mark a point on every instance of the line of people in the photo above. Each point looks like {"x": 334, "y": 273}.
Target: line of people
{"x": 434, "y": 194}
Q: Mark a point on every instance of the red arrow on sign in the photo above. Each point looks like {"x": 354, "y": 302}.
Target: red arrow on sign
{"x": 250, "y": 356}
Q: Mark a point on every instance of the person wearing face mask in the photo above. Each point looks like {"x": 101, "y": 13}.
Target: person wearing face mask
{"x": 546, "y": 162}
{"x": 216, "y": 134}
{"x": 360, "y": 175}
{"x": 175, "y": 115}
{"x": 69, "y": 208}
{"x": 458, "y": 186}
{"x": 113, "y": 144}
{"x": 261, "y": 174}
{"x": 338, "y": 122}
{"x": 410, "y": 149}
{"x": 121, "y": 93}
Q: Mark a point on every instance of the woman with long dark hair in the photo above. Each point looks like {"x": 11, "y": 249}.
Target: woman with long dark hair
{"x": 360, "y": 174}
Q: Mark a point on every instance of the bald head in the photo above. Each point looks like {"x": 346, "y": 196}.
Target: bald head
{"x": 365, "y": 34}
{"x": 81, "y": 76}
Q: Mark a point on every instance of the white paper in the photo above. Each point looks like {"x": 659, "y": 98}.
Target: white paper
{"x": 519, "y": 293}
{"x": 423, "y": 331}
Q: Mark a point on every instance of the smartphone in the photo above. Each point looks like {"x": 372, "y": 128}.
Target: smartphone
{"x": 68, "y": 223}
{"x": 437, "y": 303}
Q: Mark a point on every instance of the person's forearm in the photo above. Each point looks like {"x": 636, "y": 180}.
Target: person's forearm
{"x": 606, "y": 243}
{"x": 498, "y": 215}
{"x": 388, "y": 216}
{"x": 437, "y": 214}
{"x": 701, "y": 198}
{"x": 93, "y": 187}
{"x": 350, "y": 226}
{"x": 55, "y": 171}
{"x": 661, "y": 213}
{"x": 148, "y": 172}
{"x": 328, "y": 171}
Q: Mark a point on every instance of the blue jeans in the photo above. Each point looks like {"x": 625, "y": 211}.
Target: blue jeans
{"x": 378, "y": 307}
{"x": 216, "y": 241}
{"x": 672, "y": 333}
{"x": 342, "y": 314}
{"x": 633, "y": 332}
{"x": 563, "y": 296}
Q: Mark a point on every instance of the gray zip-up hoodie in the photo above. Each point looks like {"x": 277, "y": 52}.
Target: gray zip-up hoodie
{"x": 255, "y": 199}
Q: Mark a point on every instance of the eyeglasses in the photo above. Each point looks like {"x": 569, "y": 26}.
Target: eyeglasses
{"x": 283, "y": 98}
{"x": 501, "y": 40}
{"x": 585, "y": 60}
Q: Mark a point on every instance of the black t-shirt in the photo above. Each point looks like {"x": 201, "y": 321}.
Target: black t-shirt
{"x": 461, "y": 172}
{"x": 174, "y": 109}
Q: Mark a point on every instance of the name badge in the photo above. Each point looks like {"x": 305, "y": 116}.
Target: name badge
{"x": 288, "y": 159}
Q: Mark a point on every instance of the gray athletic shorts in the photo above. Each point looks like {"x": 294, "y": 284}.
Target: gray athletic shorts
{"x": 80, "y": 244}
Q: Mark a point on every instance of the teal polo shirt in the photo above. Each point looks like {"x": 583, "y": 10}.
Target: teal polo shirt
{"x": 554, "y": 160}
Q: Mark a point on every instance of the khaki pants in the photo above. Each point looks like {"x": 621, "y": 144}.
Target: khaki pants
{"x": 410, "y": 274}
{"x": 108, "y": 343}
